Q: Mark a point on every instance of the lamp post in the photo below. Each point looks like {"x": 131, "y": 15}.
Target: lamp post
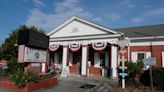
{"x": 122, "y": 43}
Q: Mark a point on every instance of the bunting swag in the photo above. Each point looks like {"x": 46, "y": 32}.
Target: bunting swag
{"x": 99, "y": 46}
{"x": 54, "y": 47}
{"x": 74, "y": 47}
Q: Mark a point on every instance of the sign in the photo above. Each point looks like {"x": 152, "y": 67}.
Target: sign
{"x": 34, "y": 55}
{"x": 65, "y": 72}
{"x": 150, "y": 61}
{"x": 123, "y": 75}
{"x": 35, "y": 64}
{"x": 123, "y": 67}
{"x": 123, "y": 43}
{"x": 33, "y": 38}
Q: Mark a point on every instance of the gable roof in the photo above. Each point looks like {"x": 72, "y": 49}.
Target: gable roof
{"x": 83, "y": 21}
{"x": 143, "y": 31}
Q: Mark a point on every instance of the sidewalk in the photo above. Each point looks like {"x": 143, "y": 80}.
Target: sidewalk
{"x": 73, "y": 84}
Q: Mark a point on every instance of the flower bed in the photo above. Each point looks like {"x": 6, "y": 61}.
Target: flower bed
{"x": 29, "y": 87}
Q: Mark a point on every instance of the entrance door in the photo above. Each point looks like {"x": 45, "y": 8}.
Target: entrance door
{"x": 101, "y": 60}
{"x": 77, "y": 62}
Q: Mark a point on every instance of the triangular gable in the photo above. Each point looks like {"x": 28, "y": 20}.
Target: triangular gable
{"x": 79, "y": 27}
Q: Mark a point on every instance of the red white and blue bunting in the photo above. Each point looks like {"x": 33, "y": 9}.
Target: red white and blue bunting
{"x": 54, "y": 47}
{"x": 99, "y": 46}
{"x": 74, "y": 47}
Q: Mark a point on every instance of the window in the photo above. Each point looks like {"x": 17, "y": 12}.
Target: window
{"x": 140, "y": 56}
{"x": 102, "y": 59}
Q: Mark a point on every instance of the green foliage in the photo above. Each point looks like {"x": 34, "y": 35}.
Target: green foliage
{"x": 13, "y": 66}
{"x": 158, "y": 78}
{"x": 135, "y": 68}
{"x": 20, "y": 78}
{"x": 9, "y": 49}
{"x": 2, "y": 72}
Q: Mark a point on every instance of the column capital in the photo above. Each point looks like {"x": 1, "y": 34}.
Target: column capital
{"x": 85, "y": 43}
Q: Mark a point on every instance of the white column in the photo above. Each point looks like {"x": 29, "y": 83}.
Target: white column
{"x": 114, "y": 61}
{"x": 65, "y": 56}
{"x": 84, "y": 60}
{"x": 162, "y": 59}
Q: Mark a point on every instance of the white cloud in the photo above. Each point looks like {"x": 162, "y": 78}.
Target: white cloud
{"x": 154, "y": 12}
{"x": 149, "y": 14}
{"x": 39, "y": 3}
{"x": 62, "y": 11}
{"x": 136, "y": 19}
{"x": 114, "y": 17}
{"x": 132, "y": 6}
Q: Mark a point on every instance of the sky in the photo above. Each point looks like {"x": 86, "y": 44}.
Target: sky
{"x": 48, "y": 14}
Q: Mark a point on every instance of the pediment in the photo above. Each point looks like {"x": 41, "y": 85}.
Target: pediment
{"x": 78, "y": 27}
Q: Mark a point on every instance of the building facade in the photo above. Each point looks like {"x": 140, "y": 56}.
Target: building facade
{"x": 88, "y": 49}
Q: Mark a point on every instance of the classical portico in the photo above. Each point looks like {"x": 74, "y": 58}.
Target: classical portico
{"x": 86, "y": 48}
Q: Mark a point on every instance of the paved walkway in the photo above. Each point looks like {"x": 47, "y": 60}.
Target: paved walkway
{"x": 71, "y": 84}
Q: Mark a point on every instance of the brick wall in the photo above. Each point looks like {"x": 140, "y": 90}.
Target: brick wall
{"x": 156, "y": 51}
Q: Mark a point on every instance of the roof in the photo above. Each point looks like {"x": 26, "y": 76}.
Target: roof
{"x": 143, "y": 31}
{"x": 83, "y": 21}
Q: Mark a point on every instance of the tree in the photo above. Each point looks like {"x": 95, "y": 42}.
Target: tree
{"x": 9, "y": 48}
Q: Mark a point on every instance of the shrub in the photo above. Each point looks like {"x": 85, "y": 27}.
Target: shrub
{"x": 13, "y": 66}
{"x": 158, "y": 78}
{"x": 134, "y": 70}
{"x": 20, "y": 78}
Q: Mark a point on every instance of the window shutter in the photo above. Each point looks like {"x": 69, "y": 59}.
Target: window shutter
{"x": 134, "y": 56}
{"x": 96, "y": 59}
{"x": 163, "y": 59}
{"x": 148, "y": 54}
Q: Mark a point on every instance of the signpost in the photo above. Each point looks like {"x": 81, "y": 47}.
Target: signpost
{"x": 122, "y": 44}
{"x": 150, "y": 62}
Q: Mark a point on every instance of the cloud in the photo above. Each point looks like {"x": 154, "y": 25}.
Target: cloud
{"x": 39, "y": 3}
{"x": 132, "y": 6}
{"x": 62, "y": 11}
{"x": 114, "y": 17}
{"x": 154, "y": 12}
{"x": 136, "y": 19}
{"x": 149, "y": 14}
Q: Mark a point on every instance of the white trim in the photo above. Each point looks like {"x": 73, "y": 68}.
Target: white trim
{"x": 85, "y": 37}
{"x": 84, "y": 60}
{"x": 162, "y": 59}
{"x": 65, "y": 57}
{"x": 134, "y": 55}
{"x": 81, "y": 20}
{"x": 152, "y": 37}
{"x": 111, "y": 41}
{"x": 114, "y": 56}
{"x": 146, "y": 43}
{"x": 43, "y": 68}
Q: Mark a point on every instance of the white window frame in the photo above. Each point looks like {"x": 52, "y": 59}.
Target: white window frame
{"x": 134, "y": 55}
{"x": 162, "y": 59}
